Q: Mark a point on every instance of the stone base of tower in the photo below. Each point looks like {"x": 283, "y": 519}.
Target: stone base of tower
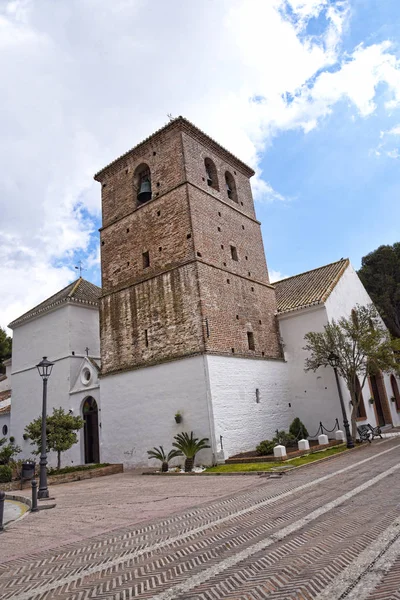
{"x": 235, "y": 402}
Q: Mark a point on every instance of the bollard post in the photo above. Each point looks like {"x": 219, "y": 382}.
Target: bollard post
{"x": 2, "y": 498}
{"x": 34, "y": 507}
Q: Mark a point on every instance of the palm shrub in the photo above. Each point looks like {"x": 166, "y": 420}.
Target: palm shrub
{"x": 298, "y": 429}
{"x": 160, "y": 455}
{"x": 189, "y": 447}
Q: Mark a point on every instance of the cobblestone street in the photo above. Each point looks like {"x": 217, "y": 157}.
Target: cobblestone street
{"x": 328, "y": 531}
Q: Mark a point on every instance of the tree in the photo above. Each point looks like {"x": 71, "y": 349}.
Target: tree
{"x": 5, "y": 346}
{"x": 159, "y": 454}
{"x": 7, "y": 452}
{"x": 61, "y": 429}
{"x": 380, "y": 274}
{"x": 189, "y": 446}
{"x": 358, "y": 346}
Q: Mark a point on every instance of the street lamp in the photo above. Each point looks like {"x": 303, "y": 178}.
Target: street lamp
{"x": 334, "y": 362}
{"x": 44, "y": 368}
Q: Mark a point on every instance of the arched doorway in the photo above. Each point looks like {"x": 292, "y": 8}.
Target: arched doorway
{"x": 90, "y": 414}
{"x": 381, "y": 404}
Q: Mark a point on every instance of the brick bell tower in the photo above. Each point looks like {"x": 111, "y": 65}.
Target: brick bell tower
{"x": 183, "y": 275}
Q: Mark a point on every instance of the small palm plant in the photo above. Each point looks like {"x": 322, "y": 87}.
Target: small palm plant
{"x": 160, "y": 455}
{"x": 189, "y": 447}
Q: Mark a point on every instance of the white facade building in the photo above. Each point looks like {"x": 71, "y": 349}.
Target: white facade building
{"x": 65, "y": 328}
{"x": 235, "y": 402}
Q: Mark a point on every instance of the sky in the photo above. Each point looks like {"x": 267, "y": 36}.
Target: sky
{"x": 305, "y": 91}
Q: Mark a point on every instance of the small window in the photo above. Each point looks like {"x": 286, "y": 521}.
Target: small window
{"x": 189, "y": 235}
{"x": 230, "y": 186}
{"x": 146, "y": 338}
{"x": 234, "y": 253}
{"x": 198, "y": 254}
{"x": 211, "y": 174}
{"x": 146, "y": 259}
{"x": 127, "y": 230}
{"x": 5, "y": 429}
{"x": 237, "y": 316}
{"x": 250, "y": 340}
{"x": 222, "y": 246}
{"x": 257, "y": 396}
{"x": 228, "y": 281}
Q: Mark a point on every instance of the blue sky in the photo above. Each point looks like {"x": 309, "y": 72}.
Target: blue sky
{"x": 305, "y": 91}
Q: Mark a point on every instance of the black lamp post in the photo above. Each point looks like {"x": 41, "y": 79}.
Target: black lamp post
{"x": 334, "y": 361}
{"x": 44, "y": 368}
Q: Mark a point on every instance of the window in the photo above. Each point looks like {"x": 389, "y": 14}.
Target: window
{"x": 146, "y": 338}
{"x": 257, "y": 396}
{"x": 146, "y": 259}
{"x": 230, "y": 186}
{"x": 396, "y": 393}
{"x": 234, "y": 253}
{"x": 211, "y": 174}
{"x": 142, "y": 183}
{"x": 250, "y": 340}
{"x": 5, "y": 429}
{"x": 361, "y": 413}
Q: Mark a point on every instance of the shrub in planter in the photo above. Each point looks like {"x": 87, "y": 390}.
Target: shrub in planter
{"x": 178, "y": 417}
{"x": 5, "y": 474}
{"x": 265, "y": 447}
{"x": 160, "y": 455}
{"x": 189, "y": 446}
{"x": 298, "y": 429}
{"x": 284, "y": 439}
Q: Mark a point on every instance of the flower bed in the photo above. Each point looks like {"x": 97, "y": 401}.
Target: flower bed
{"x": 253, "y": 457}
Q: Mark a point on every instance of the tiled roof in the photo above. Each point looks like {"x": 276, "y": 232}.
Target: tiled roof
{"x": 186, "y": 124}
{"x": 5, "y": 410}
{"x": 310, "y": 288}
{"x": 79, "y": 291}
{"x": 5, "y": 395}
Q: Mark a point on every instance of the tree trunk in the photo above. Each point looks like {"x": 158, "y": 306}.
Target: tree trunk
{"x": 189, "y": 462}
{"x": 354, "y": 403}
{"x": 58, "y": 460}
{"x": 164, "y": 467}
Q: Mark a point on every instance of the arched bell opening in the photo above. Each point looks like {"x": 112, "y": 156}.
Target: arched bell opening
{"x": 90, "y": 415}
{"x": 230, "y": 186}
{"x": 211, "y": 174}
{"x": 142, "y": 183}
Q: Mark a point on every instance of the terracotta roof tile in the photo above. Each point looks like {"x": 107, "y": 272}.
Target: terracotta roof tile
{"x": 5, "y": 395}
{"x": 310, "y": 288}
{"x": 79, "y": 291}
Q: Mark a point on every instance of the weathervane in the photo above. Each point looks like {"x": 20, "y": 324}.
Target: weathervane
{"x": 80, "y": 268}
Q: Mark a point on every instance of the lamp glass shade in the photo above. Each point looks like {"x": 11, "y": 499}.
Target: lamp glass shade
{"x": 44, "y": 368}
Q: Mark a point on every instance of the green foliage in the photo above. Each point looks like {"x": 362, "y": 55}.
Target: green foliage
{"x": 298, "y": 429}
{"x": 380, "y": 274}
{"x": 61, "y": 428}
{"x": 8, "y": 452}
{"x": 5, "y": 474}
{"x": 283, "y": 438}
{"x": 189, "y": 447}
{"x": 159, "y": 454}
{"x": 265, "y": 447}
{"x": 5, "y": 347}
{"x": 356, "y": 347}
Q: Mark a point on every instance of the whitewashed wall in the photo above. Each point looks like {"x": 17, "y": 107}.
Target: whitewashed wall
{"x": 348, "y": 292}
{"x": 238, "y": 418}
{"x": 55, "y": 335}
{"x": 5, "y": 420}
{"x": 138, "y": 408}
{"x": 314, "y": 396}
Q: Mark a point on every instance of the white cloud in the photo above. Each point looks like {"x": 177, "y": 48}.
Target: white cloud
{"x": 276, "y": 276}
{"x": 84, "y": 80}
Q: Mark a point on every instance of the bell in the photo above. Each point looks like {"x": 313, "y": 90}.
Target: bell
{"x": 228, "y": 191}
{"x": 209, "y": 178}
{"x": 145, "y": 191}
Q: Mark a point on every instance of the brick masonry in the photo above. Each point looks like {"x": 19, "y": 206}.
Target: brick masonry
{"x": 206, "y": 287}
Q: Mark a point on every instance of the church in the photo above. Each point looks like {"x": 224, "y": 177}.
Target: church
{"x": 186, "y": 321}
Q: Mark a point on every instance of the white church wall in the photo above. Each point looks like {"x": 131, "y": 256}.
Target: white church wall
{"x": 348, "y": 292}
{"x": 138, "y": 408}
{"x": 83, "y": 329}
{"x": 239, "y": 418}
{"x": 27, "y": 393}
{"x": 314, "y": 396}
{"x": 46, "y": 335}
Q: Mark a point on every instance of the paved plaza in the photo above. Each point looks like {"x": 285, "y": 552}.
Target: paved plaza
{"x": 328, "y": 531}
